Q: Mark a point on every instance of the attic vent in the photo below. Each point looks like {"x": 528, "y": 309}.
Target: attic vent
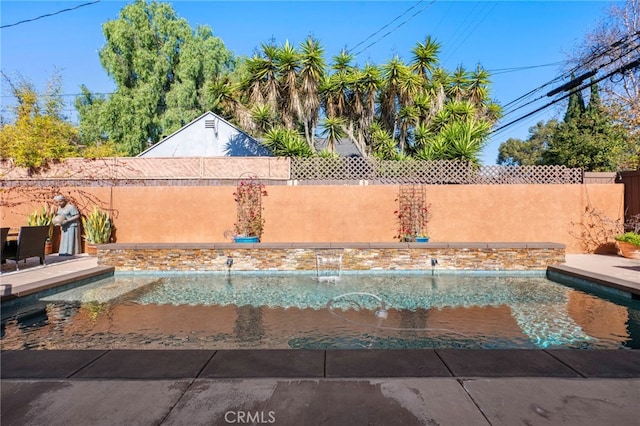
{"x": 209, "y": 124}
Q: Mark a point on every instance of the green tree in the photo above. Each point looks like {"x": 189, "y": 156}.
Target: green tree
{"x": 285, "y": 142}
{"x": 161, "y": 69}
{"x": 576, "y": 107}
{"x": 612, "y": 45}
{"x": 588, "y": 138}
{"x": 40, "y": 134}
{"x": 516, "y": 152}
{"x": 312, "y": 69}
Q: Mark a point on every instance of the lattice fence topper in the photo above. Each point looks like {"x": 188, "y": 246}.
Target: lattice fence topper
{"x": 428, "y": 172}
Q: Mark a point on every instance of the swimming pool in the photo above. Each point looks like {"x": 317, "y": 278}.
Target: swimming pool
{"x": 221, "y": 311}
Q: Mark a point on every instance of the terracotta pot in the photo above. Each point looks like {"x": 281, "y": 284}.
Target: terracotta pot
{"x": 628, "y": 250}
{"x": 90, "y": 248}
{"x": 48, "y": 247}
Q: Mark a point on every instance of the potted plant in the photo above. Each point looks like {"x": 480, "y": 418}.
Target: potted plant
{"x": 250, "y": 223}
{"x": 97, "y": 229}
{"x": 422, "y": 238}
{"x": 629, "y": 243}
{"x": 43, "y": 217}
{"x": 412, "y": 215}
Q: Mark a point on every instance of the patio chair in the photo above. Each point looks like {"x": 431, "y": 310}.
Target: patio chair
{"x": 30, "y": 243}
{"x": 4, "y": 233}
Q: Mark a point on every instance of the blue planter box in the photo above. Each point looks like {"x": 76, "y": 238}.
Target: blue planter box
{"x": 422, "y": 239}
{"x": 246, "y": 239}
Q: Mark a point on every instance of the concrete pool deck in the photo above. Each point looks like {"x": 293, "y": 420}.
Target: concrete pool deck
{"x": 294, "y": 387}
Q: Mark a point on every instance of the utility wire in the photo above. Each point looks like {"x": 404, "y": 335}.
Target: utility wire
{"x": 49, "y": 14}
{"x": 567, "y": 86}
{"x": 394, "y": 29}
{"x": 385, "y": 26}
{"x": 480, "y": 21}
{"x": 623, "y": 68}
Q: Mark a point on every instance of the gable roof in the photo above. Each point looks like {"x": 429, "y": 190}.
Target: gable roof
{"x": 207, "y": 136}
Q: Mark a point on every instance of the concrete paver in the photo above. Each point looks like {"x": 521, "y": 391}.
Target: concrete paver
{"x": 442, "y": 401}
{"x": 479, "y": 395}
{"x": 71, "y": 403}
{"x": 527, "y": 401}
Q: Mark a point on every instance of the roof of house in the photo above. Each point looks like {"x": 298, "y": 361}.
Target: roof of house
{"x": 344, "y": 147}
{"x": 208, "y": 135}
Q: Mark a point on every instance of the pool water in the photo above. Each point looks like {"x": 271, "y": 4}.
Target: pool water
{"x": 214, "y": 311}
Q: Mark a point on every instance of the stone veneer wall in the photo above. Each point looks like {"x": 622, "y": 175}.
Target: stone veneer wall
{"x": 355, "y": 256}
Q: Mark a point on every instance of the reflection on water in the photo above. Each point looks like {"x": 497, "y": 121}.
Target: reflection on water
{"x": 297, "y": 311}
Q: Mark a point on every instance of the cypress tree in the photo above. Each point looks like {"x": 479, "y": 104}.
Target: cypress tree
{"x": 576, "y": 105}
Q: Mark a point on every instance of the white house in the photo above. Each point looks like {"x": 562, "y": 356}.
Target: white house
{"x": 207, "y": 136}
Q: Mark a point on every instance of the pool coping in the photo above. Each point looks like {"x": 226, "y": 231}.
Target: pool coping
{"x": 121, "y": 364}
{"x": 632, "y": 289}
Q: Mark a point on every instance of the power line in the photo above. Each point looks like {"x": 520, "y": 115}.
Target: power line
{"x": 394, "y": 29}
{"x": 621, "y": 69}
{"x": 516, "y": 69}
{"x": 459, "y": 44}
{"x": 578, "y": 80}
{"x": 50, "y": 14}
{"x": 386, "y": 25}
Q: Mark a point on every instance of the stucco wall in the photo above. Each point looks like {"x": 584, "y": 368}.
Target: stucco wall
{"x": 342, "y": 213}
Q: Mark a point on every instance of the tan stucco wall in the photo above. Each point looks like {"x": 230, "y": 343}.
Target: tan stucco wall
{"x": 341, "y": 213}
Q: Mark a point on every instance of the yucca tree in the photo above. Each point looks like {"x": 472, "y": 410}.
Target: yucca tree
{"x": 425, "y": 57}
{"x": 285, "y": 142}
{"x": 465, "y": 139}
{"x": 477, "y": 91}
{"x": 262, "y": 117}
{"x": 263, "y": 72}
{"x": 383, "y": 146}
{"x": 333, "y": 131}
{"x": 288, "y": 61}
{"x": 460, "y": 110}
{"x": 392, "y": 74}
{"x": 458, "y": 84}
{"x": 223, "y": 97}
{"x": 433, "y": 148}
{"x": 366, "y": 83}
{"x": 312, "y": 69}
{"x": 437, "y": 88}
{"x": 335, "y": 87}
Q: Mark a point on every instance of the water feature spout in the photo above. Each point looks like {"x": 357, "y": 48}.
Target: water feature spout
{"x": 328, "y": 265}
{"x": 434, "y": 262}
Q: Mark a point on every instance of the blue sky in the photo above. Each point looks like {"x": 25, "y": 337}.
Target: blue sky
{"x": 524, "y": 43}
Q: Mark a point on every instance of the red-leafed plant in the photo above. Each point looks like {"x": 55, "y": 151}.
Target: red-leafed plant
{"x": 248, "y": 198}
{"x": 412, "y": 214}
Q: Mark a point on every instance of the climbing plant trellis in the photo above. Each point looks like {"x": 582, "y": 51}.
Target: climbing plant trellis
{"x": 248, "y": 198}
{"x": 412, "y": 213}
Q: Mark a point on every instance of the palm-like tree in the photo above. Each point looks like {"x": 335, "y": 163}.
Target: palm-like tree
{"x": 366, "y": 83}
{"x": 288, "y": 65}
{"x": 425, "y": 57}
{"x": 223, "y": 99}
{"x": 477, "y": 86}
{"x": 311, "y": 74}
{"x": 262, "y": 118}
{"x": 286, "y": 143}
{"x": 333, "y": 131}
{"x": 458, "y": 84}
{"x": 265, "y": 71}
{"x": 466, "y": 139}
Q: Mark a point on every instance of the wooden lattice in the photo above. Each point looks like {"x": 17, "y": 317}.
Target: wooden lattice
{"x": 412, "y": 212}
{"x": 427, "y": 172}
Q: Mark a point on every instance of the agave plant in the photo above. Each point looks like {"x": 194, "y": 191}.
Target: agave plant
{"x": 97, "y": 226}
{"x": 42, "y": 217}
